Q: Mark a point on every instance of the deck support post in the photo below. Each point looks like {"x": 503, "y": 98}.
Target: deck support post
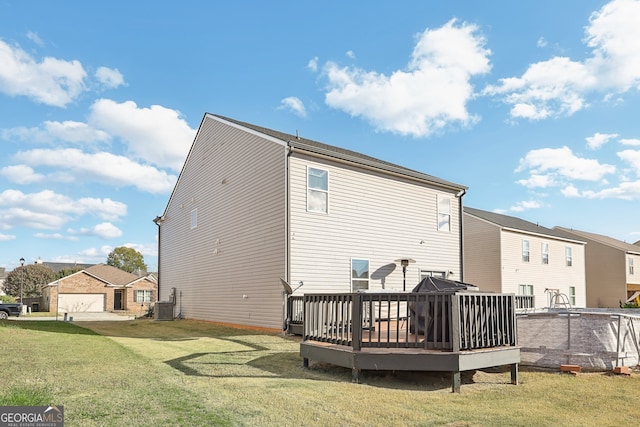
{"x": 305, "y": 363}
{"x": 455, "y": 382}
{"x": 514, "y": 374}
{"x": 355, "y": 375}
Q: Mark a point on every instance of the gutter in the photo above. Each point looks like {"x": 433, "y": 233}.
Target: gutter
{"x": 460, "y": 195}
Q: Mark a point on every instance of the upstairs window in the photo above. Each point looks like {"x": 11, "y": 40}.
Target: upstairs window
{"x": 568, "y": 256}
{"x": 545, "y": 253}
{"x": 359, "y": 274}
{"x": 317, "y": 190}
{"x": 525, "y": 251}
{"x": 444, "y": 213}
{"x": 194, "y": 218}
{"x": 630, "y": 265}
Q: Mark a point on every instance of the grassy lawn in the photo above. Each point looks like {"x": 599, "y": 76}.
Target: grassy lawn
{"x": 188, "y": 373}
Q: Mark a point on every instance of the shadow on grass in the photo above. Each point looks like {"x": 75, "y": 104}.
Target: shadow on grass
{"x": 261, "y": 362}
{"x": 47, "y": 326}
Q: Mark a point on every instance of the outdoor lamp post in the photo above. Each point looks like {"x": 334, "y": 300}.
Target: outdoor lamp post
{"x": 21, "y": 280}
{"x": 404, "y": 262}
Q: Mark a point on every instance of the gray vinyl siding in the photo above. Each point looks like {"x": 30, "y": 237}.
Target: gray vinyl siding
{"x": 372, "y": 216}
{"x": 606, "y": 275}
{"x": 555, "y": 275}
{"x": 227, "y": 269}
{"x": 482, "y": 254}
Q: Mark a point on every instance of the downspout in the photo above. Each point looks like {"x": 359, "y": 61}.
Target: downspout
{"x": 158, "y": 221}
{"x": 460, "y": 195}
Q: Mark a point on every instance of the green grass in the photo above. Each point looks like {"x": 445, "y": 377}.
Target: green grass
{"x": 191, "y": 373}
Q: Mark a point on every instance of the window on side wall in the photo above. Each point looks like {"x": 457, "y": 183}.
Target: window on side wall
{"x": 545, "y": 253}
{"x": 429, "y": 273}
{"x": 143, "y": 295}
{"x": 525, "y": 289}
{"x": 317, "y": 190}
{"x": 630, "y": 265}
{"x": 568, "y": 256}
{"x": 444, "y": 213}
{"x": 572, "y": 295}
{"x": 194, "y": 218}
{"x": 359, "y": 274}
{"x": 525, "y": 251}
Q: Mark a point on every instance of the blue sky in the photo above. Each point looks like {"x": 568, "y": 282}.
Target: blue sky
{"x": 533, "y": 105}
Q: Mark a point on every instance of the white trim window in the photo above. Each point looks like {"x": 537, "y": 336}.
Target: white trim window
{"x": 525, "y": 251}
{"x": 430, "y": 273}
{"x": 194, "y": 218}
{"x": 317, "y": 190}
{"x": 568, "y": 254}
{"x": 545, "y": 253}
{"x": 572, "y": 295}
{"x": 359, "y": 274}
{"x": 142, "y": 295}
{"x": 525, "y": 290}
{"x": 444, "y": 213}
{"x": 630, "y": 265}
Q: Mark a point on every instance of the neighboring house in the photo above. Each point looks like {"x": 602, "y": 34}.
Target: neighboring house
{"x": 101, "y": 288}
{"x": 60, "y": 266}
{"x": 253, "y": 205}
{"x": 3, "y": 277}
{"x": 613, "y": 269}
{"x": 510, "y": 255}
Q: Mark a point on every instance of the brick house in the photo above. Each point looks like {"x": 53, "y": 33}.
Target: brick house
{"x": 101, "y": 288}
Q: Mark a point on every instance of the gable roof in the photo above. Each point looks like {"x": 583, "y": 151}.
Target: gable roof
{"x": 111, "y": 275}
{"x": 319, "y": 148}
{"x": 59, "y": 266}
{"x": 517, "y": 224}
{"x": 605, "y": 240}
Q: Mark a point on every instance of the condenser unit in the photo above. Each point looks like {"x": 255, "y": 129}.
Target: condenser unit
{"x": 163, "y": 311}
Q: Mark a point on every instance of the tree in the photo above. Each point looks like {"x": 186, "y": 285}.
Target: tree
{"x": 31, "y": 278}
{"x": 127, "y": 259}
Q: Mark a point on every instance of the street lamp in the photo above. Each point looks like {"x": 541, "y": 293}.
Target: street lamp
{"x": 21, "y": 281}
{"x": 404, "y": 262}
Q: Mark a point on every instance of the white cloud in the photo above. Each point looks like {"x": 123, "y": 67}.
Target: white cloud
{"x": 21, "y": 174}
{"x": 541, "y": 42}
{"x": 294, "y": 105}
{"x": 430, "y": 94}
{"x": 49, "y": 210}
{"x": 105, "y": 230}
{"x": 350, "y": 54}
{"x": 110, "y": 169}
{"x": 634, "y": 142}
{"x": 570, "y": 191}
{"x": 6, "y": 237}
{"x": 546, "y": 89}
{"x": 538, "y": 181}
{"x": 625, "y": 191}
{"x": 156, "y": 134}
{"x": 632, "y": 157}
{"x": 599, "y": 139}
{"x": 562, "y": 163}
{"x": 52, "y": 131}
{"x": 52, "y": 81}
{"x": 313, "y": 64}
{"x": 614, "y": 35}
{"x": 54, "y": 236}
{"x": 525, "y": 205}
{"x": 560, "y": 86}
{"x": 34, "y": 37}
{"x": 109, "y": 77}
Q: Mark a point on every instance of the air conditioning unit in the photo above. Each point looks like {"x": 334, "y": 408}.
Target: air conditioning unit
{"x": 163, "y": 311}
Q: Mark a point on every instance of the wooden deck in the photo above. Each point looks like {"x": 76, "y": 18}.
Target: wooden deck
{"x": 458, "y": 334}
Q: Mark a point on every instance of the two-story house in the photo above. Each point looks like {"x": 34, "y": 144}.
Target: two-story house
{"x": 253, "y": 205}
{"x": 612, "y": 276}
{"x": 507, "y": 254}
